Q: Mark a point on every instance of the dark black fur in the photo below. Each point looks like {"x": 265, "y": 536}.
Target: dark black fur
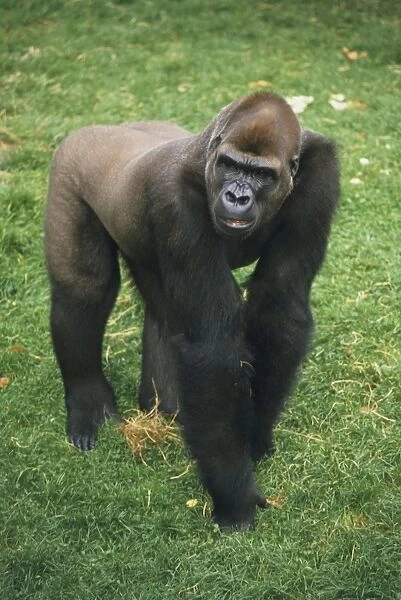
{"x": 184, "y": 210}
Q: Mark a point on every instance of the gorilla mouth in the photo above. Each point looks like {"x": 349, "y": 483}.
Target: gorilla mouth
{"x": 232, "y": 226}
{"x": 237, "y": 223}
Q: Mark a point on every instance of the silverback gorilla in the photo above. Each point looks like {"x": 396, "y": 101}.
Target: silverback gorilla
{"x": 184, "y": 210}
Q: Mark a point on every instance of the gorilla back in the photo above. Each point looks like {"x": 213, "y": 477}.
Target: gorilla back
{"x": 184, "y": 210}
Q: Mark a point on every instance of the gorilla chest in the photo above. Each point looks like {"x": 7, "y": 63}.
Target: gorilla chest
{"x": 243, "y": 252}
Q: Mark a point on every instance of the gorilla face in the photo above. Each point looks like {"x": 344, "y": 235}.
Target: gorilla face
{"x": 251, "y": 171}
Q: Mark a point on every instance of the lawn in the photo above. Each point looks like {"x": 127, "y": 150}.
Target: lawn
{"x": 107, "y": 524}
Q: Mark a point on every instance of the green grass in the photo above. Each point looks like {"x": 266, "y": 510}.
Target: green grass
{"x": 105, "y": 525}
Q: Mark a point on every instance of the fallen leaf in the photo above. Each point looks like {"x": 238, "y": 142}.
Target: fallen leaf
{"x": 350, "y": 54}
{"x": 183, "y": 88}
{"x": 337, "y": 104}
{"x": 260, "y": 83}
{"x": 17, "y": 349}
{"x": 357, "y": 104}
{"x": 275, "y": 501}
{"x": 191, "y": 503}
{"x": 4, "y": 381}
{"x": 299, "y": 103}
{"x": 337, "y": 101}
{"x": 338, "y": 97}
{"x": 353, "y": 54}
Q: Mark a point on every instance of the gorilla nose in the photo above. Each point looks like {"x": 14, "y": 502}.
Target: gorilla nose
{"x": 239, "y": 202}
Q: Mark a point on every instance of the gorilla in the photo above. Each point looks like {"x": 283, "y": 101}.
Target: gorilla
{"x": 183, "y": 211}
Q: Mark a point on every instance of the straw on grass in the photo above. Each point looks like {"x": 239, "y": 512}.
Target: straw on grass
{"x": 149, "y": 428}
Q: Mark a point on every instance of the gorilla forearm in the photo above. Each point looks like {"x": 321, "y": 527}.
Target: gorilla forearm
{"x": 216, "y": 414}
{"x": 279, "y": 345}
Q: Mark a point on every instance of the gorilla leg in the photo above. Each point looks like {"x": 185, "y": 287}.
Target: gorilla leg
{"x": 159, "y": 378}
{"x": 77, "y": 331}
{"x": 84, "y": 287}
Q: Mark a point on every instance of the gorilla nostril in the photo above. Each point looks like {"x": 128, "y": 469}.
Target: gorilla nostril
{"x": 230, "y": 197}
{"x": 240, "y": 200}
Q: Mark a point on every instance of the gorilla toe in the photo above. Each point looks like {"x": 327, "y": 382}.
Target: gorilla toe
{"x": 84, "y": 443}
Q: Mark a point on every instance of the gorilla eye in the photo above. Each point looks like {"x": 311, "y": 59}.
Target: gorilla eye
{"x": 265, "y": 173}
{"x": 226, "y": 161}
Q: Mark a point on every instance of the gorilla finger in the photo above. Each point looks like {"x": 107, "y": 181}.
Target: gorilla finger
{"x": 262, "y": 501}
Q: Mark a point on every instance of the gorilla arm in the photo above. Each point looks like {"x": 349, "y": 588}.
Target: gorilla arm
{"x": 279, "y": 319}
{"x": 204, "y": 313}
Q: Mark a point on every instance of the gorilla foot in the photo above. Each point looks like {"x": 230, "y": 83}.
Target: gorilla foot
{"x": 83, "y": 423}
{"x": 82, "y": 432}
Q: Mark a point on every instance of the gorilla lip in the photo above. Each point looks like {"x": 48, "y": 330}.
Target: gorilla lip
{"x": 236, "y": 223}
{"x": 232, "y": 226}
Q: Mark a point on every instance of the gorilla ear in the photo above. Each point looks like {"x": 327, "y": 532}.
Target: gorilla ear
{"x": 294, "y": 163}
{"x": 214, "y": 142}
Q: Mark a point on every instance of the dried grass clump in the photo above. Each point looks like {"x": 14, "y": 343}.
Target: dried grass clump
{"x": 149, "y": 428}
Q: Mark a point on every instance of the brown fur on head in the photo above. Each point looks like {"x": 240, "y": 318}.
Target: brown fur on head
{"x": 256, "y": 122}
